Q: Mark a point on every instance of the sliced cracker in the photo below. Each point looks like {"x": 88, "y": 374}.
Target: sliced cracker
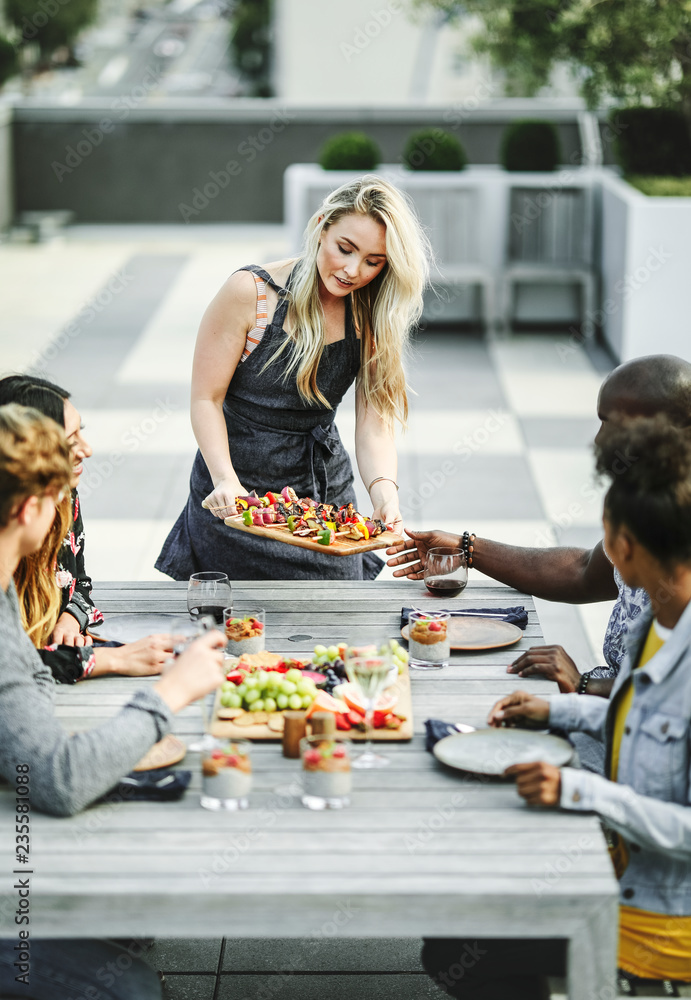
{"x": 246, "y": 719}
{"x": 276, "y": 722}
{"x": 260, "y": 718}
{"x": 229, "y": 713}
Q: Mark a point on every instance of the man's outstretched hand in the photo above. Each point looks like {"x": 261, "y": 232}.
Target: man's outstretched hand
{"x": 412, "y": 554}
{"x": 551, "y": 662}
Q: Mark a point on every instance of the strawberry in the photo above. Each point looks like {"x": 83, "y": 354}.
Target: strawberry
{"x": 343, "y": 723}
{"x": 312, "y": 757}
{"x": 339, "y": 752}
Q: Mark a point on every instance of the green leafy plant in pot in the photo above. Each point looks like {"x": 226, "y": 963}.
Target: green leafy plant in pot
{"x": 434, "y": 149}
{"x": 349, "y": 151}
{"x": 530, "y": 144}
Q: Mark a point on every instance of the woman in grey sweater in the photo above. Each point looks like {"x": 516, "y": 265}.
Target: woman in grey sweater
{"x": 68, "y": 771}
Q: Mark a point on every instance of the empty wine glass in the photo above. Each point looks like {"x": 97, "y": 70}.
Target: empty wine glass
{"x": 367, "y": 667}
{"x": 208, "y": 593}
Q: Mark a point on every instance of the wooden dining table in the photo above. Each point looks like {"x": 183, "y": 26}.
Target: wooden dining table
{"x": 422, "y": 851}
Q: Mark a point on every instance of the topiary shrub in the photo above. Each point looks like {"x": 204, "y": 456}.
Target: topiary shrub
{"x": 434, "y": 149}
{"x": 652, "y": 141}
{"x": 349, "y": 151}
{"x": 530, "y": 144}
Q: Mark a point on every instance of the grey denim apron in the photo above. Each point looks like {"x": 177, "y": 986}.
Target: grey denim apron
{"x": 276, "y": 439}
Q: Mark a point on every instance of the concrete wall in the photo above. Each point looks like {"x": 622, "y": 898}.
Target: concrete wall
{"x": 114, "y": 161}
{"x": 6, "y": 183}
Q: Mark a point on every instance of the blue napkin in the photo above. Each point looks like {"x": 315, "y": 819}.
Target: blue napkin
{"x": 437, "y": 729}
{"x": 159, "y": 785}
{"x": 516, "y": 616}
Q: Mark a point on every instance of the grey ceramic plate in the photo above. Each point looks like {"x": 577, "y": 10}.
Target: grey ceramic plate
{"x": 491, "y": 751}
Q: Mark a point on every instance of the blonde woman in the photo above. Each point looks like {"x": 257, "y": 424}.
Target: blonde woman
{"x": 277, "y": 350}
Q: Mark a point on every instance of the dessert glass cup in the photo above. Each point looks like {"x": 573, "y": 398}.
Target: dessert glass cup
{"x": 253, "y": 643}
{"x": 226, "y": 774}
{"x": 428, "y": 648}
{"x": 326, "y": 776}
{"x": 446, "y": 572}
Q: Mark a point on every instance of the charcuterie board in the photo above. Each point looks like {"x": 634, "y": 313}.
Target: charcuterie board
{"x": 230, "y": 728}
{"x": 339, "y": 547}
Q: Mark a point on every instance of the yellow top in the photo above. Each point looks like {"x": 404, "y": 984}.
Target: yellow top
{"x": 651, "y": 945}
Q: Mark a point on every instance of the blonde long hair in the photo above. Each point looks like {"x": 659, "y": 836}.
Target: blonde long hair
{"x": 35, "y": 459}
{"x": 384, "y": 310}
{"x": 39, "y": 596}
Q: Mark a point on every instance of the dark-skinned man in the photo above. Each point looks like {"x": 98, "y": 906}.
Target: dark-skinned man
{"x": 642, "y": 387}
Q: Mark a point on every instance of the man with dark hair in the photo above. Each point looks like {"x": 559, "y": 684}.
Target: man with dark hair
{"x": 659, "y": 383}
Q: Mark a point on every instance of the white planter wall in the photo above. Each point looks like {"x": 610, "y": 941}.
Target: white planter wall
{"x": 6, "y": 184}
{"x": 646, "y": 272}
{"x": 468, "y": 218}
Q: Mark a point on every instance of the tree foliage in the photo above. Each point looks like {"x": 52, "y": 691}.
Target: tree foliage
{"x": 632, "y": 51}
{"x": 50, "y": 23}
{"x": 250, "y": 41}
{"x": 9, "y": 63}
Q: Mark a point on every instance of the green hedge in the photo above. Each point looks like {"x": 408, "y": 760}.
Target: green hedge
{"x": 661, "y": 187}
{"x": 652, "y": 141}
{"x": 530, "y": 144}
{"x": 349, "y": 151}
{"x": 434, "y": 149}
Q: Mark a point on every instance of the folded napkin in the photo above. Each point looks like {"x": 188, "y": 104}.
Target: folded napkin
{"x": 160, "y": 785}
{"x": 437, "y": 729}
{"x": 516, "y": 616}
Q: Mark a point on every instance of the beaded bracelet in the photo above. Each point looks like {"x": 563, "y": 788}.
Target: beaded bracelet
{"x": 583, "y": 683}
{"x": 468, "y": 544}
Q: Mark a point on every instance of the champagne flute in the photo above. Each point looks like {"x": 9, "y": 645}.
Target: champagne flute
{"x": 208, "y": 593}
{"x": 367, "y": 667}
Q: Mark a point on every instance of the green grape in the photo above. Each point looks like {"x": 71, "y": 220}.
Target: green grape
{"x": 294, "y": 675}
{"x": 252, "y": 696}
{"x": 306, "y": 700}
{"x": 241, "y": 689}
{"x": 287, "y": 687}
{"x": 227, "y": 699}
{"x": 273, "y": 679}
{"x": 269, "y": 705}
{"x": 282, "y": 701}
{"x": 332, "y": 652}
{"x": 258, "y": 705}
{"x": 295, "y": 701}
{"x": 261, "y": 676}
{"x": 227, "y": 686}
{"x": 251, "y": 682}
{"x": 320, "y": 651}
{"x": 305, "y": 687}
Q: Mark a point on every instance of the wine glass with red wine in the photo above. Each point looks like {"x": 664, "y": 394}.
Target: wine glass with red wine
{"x": 446, "y": 572}
{"x": 208, "y": 594}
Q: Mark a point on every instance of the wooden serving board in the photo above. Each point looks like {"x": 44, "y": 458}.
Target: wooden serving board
{"x": 340, "y": 546}
{"x": 228, "y": 729}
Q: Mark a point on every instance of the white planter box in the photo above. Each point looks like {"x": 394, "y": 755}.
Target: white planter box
{"x": 469, "y": 219}
{"x": 646, "y": 272}
{"x": 6, "y": 185}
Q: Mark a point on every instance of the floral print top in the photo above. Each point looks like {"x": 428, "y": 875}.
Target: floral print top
{"x": 628, "y": 606}
{"x": 71, "y": 575}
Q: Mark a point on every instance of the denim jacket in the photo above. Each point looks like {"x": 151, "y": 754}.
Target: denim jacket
{"x": 650, "y": 803}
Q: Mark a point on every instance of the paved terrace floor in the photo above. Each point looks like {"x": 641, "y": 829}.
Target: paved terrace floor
{"x": 498, "y": 443}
